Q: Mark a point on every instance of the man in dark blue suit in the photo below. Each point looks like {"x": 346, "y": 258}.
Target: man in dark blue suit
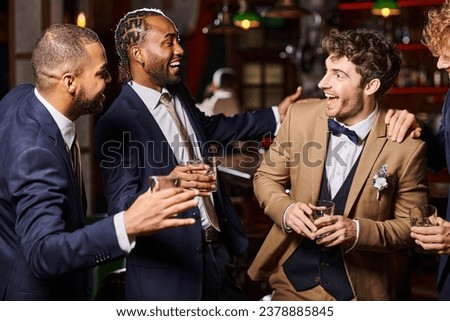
{"x": 46, "y": 251}
{"x": 436, "y": 238}
{"x": 137, "y": 138}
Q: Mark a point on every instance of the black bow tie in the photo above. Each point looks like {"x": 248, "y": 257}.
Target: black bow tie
{"x": 337, "y": 129}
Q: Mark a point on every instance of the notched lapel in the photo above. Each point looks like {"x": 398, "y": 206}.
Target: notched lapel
{"x": 319, "y": 152}
{"x": 372, "y": 149}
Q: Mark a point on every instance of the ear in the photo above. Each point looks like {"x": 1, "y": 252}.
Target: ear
{"x": 372, "y": 86}
{"x": 69, "y": 82}
{"x": 136, "y": 54}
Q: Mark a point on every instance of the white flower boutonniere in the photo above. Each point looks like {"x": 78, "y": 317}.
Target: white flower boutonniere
{"x": 380, "y": 180}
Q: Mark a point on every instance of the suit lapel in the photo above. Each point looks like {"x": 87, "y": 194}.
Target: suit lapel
{"x": 372, "y": 149}
{"x": 49, "y": 125}
{"x": 151, "y": 132}
{"x": 186, "y": 102}
{"x": 319, "y": 152}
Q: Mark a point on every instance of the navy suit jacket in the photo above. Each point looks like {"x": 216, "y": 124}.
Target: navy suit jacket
{"x": 131, "y": 147}
{"x": 46, "y": 251}
{"x": 438, "y": 146}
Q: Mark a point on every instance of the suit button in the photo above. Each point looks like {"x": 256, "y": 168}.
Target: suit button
{"x": 195, "y": 215}
{"x": 317, "y": 279}
{"x": 198, "y": 250}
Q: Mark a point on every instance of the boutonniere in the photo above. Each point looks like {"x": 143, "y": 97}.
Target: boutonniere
{"x": 380, "y": 180}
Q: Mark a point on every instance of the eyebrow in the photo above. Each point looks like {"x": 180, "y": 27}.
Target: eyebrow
{"x": 102, "y": 69}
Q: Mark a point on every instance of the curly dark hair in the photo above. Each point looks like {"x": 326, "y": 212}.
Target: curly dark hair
{"x": 130, "y": 31}
{"x": 374, "y": 57}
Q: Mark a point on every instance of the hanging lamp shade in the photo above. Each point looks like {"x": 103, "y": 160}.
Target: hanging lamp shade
{"x": 223, "y": 23}
{"x": 244, "y": 18}
{"x": 386, "y": 8}
{"x": 286, "y": 9}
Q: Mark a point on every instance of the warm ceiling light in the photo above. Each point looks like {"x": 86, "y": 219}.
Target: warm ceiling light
{"x": 246, "y": 19}
{"x": 286, "y": 9}
{"x": 386, "y": 8}
{"x": 223, "y": 23}
{"x": 81, "y": 19}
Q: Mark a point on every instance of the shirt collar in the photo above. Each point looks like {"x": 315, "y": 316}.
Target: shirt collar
{"x": 363, "y": 127}
{"x": 65, "y": 125}
{"x": 149, "y": 96}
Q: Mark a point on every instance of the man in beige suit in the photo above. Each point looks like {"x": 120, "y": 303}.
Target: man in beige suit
{"x": 361, "y": 253}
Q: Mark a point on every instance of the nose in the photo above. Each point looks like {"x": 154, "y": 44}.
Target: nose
{"x": 443, "y": 63}
{"x": 324, "y": 83}
{"x": 178, "y": 49}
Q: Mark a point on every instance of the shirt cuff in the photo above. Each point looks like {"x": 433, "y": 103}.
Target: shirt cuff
{"x": 286, "y": 228}
{"x": 276, "y": 114}
{"x": 126, "y": 243}
{"x": 357, "y": 236}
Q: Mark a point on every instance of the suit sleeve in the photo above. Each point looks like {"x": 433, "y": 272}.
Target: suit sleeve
{"x": 251, "y": 125}
{"x": 50, "y": 222}
{"x": 436, "y": 142}
{"x": 272, "y": 177}
{"x": 119, "y": 164}
{"x": 392, "y": 229}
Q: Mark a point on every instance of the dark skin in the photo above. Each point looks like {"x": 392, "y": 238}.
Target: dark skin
{"x": 155, "y": 63}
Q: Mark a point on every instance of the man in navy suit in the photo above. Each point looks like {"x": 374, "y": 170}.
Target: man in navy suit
{"x": 137, "y": 137}
{"x": 46, "y": 251}
{"x": 436, "y": 238}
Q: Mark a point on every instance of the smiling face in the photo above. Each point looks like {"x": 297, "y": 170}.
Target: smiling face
{"x": 159, "y": 55}
{"x": 347, "y": 101}
{"x": 88, "y": 97}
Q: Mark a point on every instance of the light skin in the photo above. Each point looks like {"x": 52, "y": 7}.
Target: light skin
{"x": 350, "y": 104}
{"x": 401, "y": 123}
{"x": 75, "y": 95}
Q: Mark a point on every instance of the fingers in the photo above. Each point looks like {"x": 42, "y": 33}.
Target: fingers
{"x": 298, "y": 219}
{"x": 389, "y": 114}
{"x": 296, "y": 96}
{"x": 400, "y": 123}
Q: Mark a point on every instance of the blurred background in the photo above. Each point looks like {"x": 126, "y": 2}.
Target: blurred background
{"x": 273, "y": 47}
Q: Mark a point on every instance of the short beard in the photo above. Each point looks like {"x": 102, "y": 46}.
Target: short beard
{"x": 86, "y": 106}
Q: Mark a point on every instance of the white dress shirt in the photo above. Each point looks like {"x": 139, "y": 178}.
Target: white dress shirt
{"x": 341, "y": 156}
{"x": 67, "y": 129}
{"x": 343, "y": 153}
{"x": 151, "y": 99}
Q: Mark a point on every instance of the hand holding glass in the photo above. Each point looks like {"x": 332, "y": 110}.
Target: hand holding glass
{"x": 322, "y": 208}
{"x": 211, "y": 162}
{"x": 424, "y": 215}
{"x": 161, "y": 182}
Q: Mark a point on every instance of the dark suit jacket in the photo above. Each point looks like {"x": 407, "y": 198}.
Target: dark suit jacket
{"x": 438, "y": 147}
{"x": 131, "y": 147}
{"x": 46, "y": 251}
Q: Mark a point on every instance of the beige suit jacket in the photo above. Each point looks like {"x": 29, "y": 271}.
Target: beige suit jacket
{"x": 377, "y": 265}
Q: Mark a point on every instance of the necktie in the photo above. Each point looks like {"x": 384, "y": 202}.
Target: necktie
{"x": 209, "y": 206}
{"x": 75, "y": 155}
{"x": 166, "y": 101}
{"x": 337, "y": 129}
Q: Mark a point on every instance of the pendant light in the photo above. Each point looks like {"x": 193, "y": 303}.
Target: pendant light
{"x": 223, "y": 23}
{"x": 386, "y": 8}
{"x": 286, "y": 9}
{"x": 244, "y": 18}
